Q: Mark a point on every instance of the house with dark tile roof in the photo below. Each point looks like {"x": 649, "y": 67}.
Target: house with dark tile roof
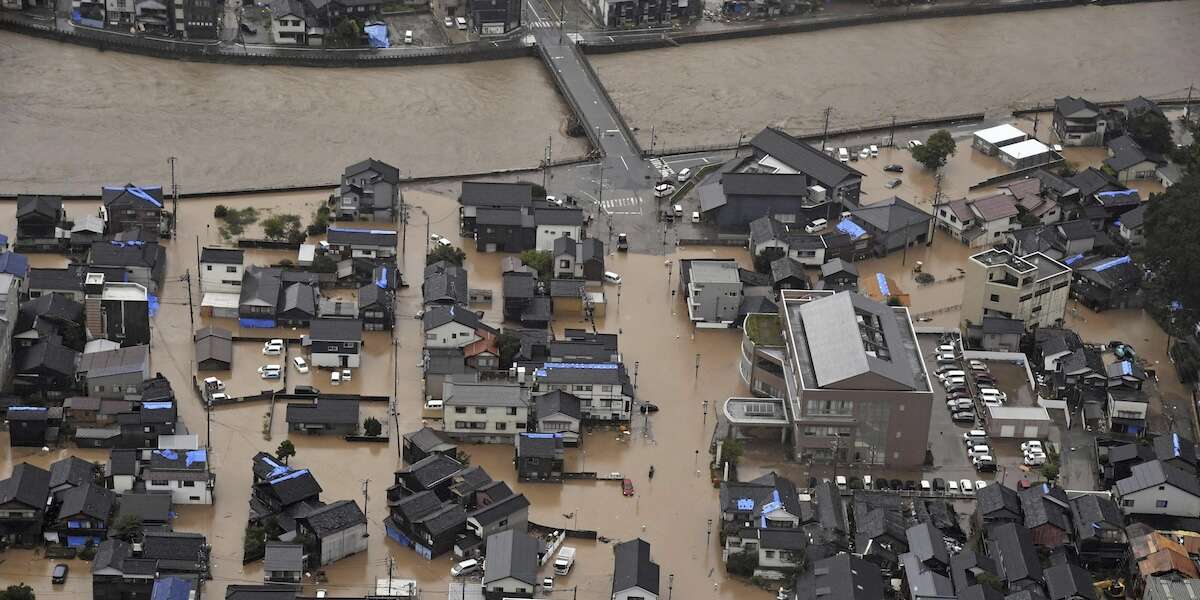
{"x": 83, "y": 515}
{"x": 892, "y": 224}
{"x": 287, "y": 488}
{"x": 1078, "y": 122}
{"x": 509, "y": 512}
{"x": 776, "y": 152}
{"x": 41, "y": 222}
{"x": 23, "y": 497}
{"x": 433, "y": 473}
{"x": 339, "y": 528}
{"x": 71, "y": 472}
{"x": 445, "y": 283}
{"x": 477, "y": 195}
{"x": 512, "y": 565}
{"x": 1047, "y": 515}
{"x": 539, "y": 457}
{"x": 635, "y": 575}
{"x": 844, "y": 576}
{"x": 995, "y": 504}
{"x": 559, "y": 412}
{"x": 329, "y": 415}
{"x": 129, "y": 206}
{"x": 154, "y": 510}
{"x": 370, "y": 191}
{"x": 419, "y": 444}
{"x": 1016, "y": 558}
{"x": 143, "y": 263}
{"x": 1158, "y": 488}
{"x": 1098, "y": 530}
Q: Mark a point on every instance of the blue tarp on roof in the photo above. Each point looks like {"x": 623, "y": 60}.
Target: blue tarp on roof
{"x": 29, "y": 408}
{"x": 883, "y": 286}
{"x": 292, "y": 475}
{"x": 1070, "y": 260}
{"x": 1112, "y": 263}
{"x": 1126, "y": 367}
{"x": 3, "y": 240}
{"x": 745, "y": 504}
{"x": 542, "y": 371}
{"x": 79, "y": 541}
{"x": 12, "y": 263}
{"x": 167, "y": 454}
{"x": 158, "y": 406}
{"x": 195, "y": 456}
{"x": 377, "y": 34}
{"x": 1175, "y": 444}
{"x": 140, "y": 193}
{"x": 851, "y": 228}
{"x": 1116, "y": 193}
{"x": 171, "y": 588}
{"x": 257, "y": 323}
{"x": 542, "y": 436}
{"x": 381, "y": 283}
{"x": 152, "y": 305}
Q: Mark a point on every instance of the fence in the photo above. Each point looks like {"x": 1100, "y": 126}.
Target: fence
{"x": 214, "y": 52}
{"x": 739, "y": 241}
{"x": 601, "y": 47}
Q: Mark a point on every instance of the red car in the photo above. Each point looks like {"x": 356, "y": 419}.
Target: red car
{"x": 627, "y": 486}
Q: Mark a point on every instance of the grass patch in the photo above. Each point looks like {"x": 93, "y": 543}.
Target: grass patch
{"x": 764, "y": 330}
{"x": 236, "y": 220}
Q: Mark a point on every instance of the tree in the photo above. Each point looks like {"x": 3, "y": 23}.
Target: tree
{"x": 324, "y": 264}
{"x": 1068, "y": 169}
{"x": 254, "y": 542}
{"x": 1151, "y": 131}
{"x": 742, "y": 563}
{"x": 538, "y": 260}
{"x": 509, "y": 345}
{"x": 17, "y": 592}
{"x": 346, "y": 34}
{"x": 372, "y": 427}
{"x": 278, "y": 227}
{"x": 127, "y": 527}
{"x": 934, "y": 152}
{"x": 89, "y": 551}
{"x": 320, "y": 223}
{"x": 1188, "y": 157}
{"x": 451, "y": 254}
{"x": 731, "y": 450}
{"x": 285, "y": 451}
{"x": 762, "y": 262}
{"x": 1171, "y": 252}
{"x": 220, "y": 211}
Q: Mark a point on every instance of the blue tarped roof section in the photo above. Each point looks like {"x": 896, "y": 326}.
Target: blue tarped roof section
{"x": 276, "y": 468}
{"x": 1116, "y": 193}
{"x": 745, "y": 504}
{"x": 851, "y": 228}
{"x": 152, "y": 304}
{"x": 12, "y": 263}
{"x": 377, "y": 33}
{"x": 30, "y": 408}
{"x": 381, "y": 283}
{"x": 1176, "y": 305}
{"x": 1126, "y": 367}
{"x": 1070, "y": 260}
{"x": 158, "y": 406}
{"x": 167, "y": 454}
{"x": 3, "y": 240}
{"x": 257, "y": 323}
{"x": 291, "y": 475}
{"x": 883, "y": 286}
{"x": 194, "y": 456}
{"x": 171, "y": 588}
{"x": 129, "y": 243}
{"x": 542, "y": 371}
{"x": 79, "y": 541}
{"x": 140, "y": 193}
{"x": 542, "y": 436}
{"x": 1112, "y": 263}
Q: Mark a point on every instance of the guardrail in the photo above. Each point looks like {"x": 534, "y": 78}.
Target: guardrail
{"x": 561, "y": 85}
{"x": 620, "y": 118}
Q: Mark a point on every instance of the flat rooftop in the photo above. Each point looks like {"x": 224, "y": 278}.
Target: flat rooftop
{"x": 1000, "y": 133}
{"x": 1025, "y": 149}
{"x": 1003, "y": 258}
{"x": 827, "y": 354}
{"x": 1046, "y": 266}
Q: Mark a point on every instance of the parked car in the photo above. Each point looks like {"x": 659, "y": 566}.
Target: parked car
{"x": 1034, "y": 460}
{"x": 612, "y": 277}
{"x": 960, "y": 404}
{"x": 465, "y": 568}
{"x": 663, "y": 190}
{"x": 910, "y": 485}
{"x": 346, "y": 374}
{"x": 914, "y": 143}
{"x": 408, "y": 36}
{"x": 683, "y": 175}
{"x": 439, "y": 240}
{"x": 843, "y": 155}
{"x": 946, "y": 357}
{"x": 270, "y": 371}
{"x": 952, "y": 487}
{"x": 966, "y": 487}
{"x": 462, "y": 23}
{"x": 247, "y": 28}
{"x": 984, "y": 463}
{"x": 896, "y": 484}
{"x": 1032, "y": 445}
{"x": 975, "y": 436}
{"x": 977, "y": 365}
{"x": 952, "y": 373}
{"x": 59, "y": 575}
{"x": 894, "y": 168}
{"x": 980, "y": 484}
{"x": 963, "y": 416}
{"x": 892, "y": 184}
{"x": 882, "y": 484}
{"x": 873, "y": 150}
{"x": 547, "y": 584}
{"x": 273, "y": 347}
{"x": 622, "y": 242}
{"x": 925, "y": 485}
{"x": 448, "y": 21}
{"x": 434, "y": 404}
{"x": 301, "y": 364}
{"x": 864, "y": 153}
{"x": 335, "y": 378}
{"x": 939, "y": 484}
{"x": 954, "y": 381}
{"x": 979, "y": 450}
{"x": 627, "y": 486}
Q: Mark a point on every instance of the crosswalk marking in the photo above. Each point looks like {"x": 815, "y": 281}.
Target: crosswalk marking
{"x": 625, "y": 202}
{"x": 543, "y": 24}
{"x": 662, "y": 167}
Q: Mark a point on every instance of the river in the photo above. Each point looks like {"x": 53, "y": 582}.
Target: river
{"x": 710, "y": 93}
{"x": 73, "y": 119}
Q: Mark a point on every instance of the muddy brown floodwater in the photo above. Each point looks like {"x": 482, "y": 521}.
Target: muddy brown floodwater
{"x": 73, "y": 119}
{"x": 710, "y": 93}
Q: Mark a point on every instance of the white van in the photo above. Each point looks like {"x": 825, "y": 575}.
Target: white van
{"x": 695, "y": 217}
{"x": 816, "y": 226}
{"x": 434, "y": 404}
{"x": 841, "y": 482}
{"x": 678, "y": 210}
{"x": 408, "y": 37}
{"x": 465, "y": 567}
{"x": 683, "y": 175}
{"x": 843, "y": 155}
{"x": 874, "y": 150}
{"x": 462, "y": 23}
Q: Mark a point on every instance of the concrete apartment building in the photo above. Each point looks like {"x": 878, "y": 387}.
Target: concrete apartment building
{"x": 485, "y": 412}
{"x": 868, "y": 395}
{"x": 1032, "y": 288}
{"x": 714, "y": 291}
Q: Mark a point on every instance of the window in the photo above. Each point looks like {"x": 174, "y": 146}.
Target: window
{"x": 995, "y": 298}
{"x": 460, "y": 410}
{"x": 431, "y": 336}
{"x": 520, "y": 426}
{"x": 564, "y": 264}
{"x": 231, "y": 269}
{"x": 512, "y": 411}
{"x": 158, "y": 482}
{"x": 501, "y": 426}
{"x": 504, "y": 523}
{"x": 207, "y": 267}
{"x": 481, "y": 410}
{"x": 460, "y": 424}
{"x": 146, "y": 429}
{"x": 189, "y": 484}
{"x": 1160, "y": 503}
{"x": 1127, "y": 503}
{"x": 769, "y": 553}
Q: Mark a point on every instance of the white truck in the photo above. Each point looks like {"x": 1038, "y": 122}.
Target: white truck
{"x": 564, "y": 560}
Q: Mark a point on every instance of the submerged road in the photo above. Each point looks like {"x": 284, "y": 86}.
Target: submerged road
{"x": 621, "y": 184}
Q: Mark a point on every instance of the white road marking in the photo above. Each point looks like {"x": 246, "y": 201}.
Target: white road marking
{"x": 624, "y": 163}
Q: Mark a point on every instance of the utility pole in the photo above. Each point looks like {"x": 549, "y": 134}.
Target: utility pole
{"x": 825, "y": 132}
{"x": 892, "y": 133}
{"x": 670, "y": 585}
{"x": 403, "y": 230}
{"x": 174, "y": 196}
{"x": 366, "y": 532}
{"x": 187, "y": 278}
{"x": 652, "y": 139}
{"x": 600, "y": 193}
{"x": 1187, "y": 106}
{"x": 708, "y": 535}
{"x": 738, "y": 147}
{"x": 697, "y": 365}
{"x": 635, "y": 374}
{"x": 199, "y": 271}
{"x": 1036, "y": 116}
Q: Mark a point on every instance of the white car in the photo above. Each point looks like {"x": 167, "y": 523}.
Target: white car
{"x": 952, "y": 373}
{"x": 975, "y": 436}
{"x": 843, "y": 155}
{"x": 992, "y": 401}
{"x": 952, "y": 487}
{"x": 979, "y": 450}
{"x": 925, "y": 487}
{"x": 465, "y": 567}
{"x": 214, "y": 384}
{"x": 301, "y": 365}
{"x": 954, "y": 381}
{"x": 1035, "y": 461}
{"x": 440, "y": 240}
{"x": 612, "y": 277}
{"x": 663, "y": 190}
{"x": 980, "y": 484}
{"x": 966, "y": 487}
{"x": 220, "y": 397}
{"x": 864, "y": 153}
{"x": 946, "y": 348}
{"x": 874, "y": 150}
{"x": 946, "y": 357}
{"x": 432, "y": 404}
{"x": 335, "y": 378}
{"x": 345, "y": 374}
{"x": 448, "y": 21}
{"x": 270, "y": 371}
{"x": 1032, "y": 445}
{"x": 977, "y": 365}
{"x": 273, "y": 347}
{"x": 683, "y": 175}
{"x": 914, "y": 143}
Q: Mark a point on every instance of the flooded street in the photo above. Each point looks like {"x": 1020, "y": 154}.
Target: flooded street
{"x": 82, "y": 118}
{"x": 710, "y": 93}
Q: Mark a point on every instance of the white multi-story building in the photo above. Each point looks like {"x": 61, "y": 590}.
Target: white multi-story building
{"x": 1033, "y": 288}
{"x": 484, "y": 412}
{"x": 604, "y": 390}
{"x": 221, "y": 270}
